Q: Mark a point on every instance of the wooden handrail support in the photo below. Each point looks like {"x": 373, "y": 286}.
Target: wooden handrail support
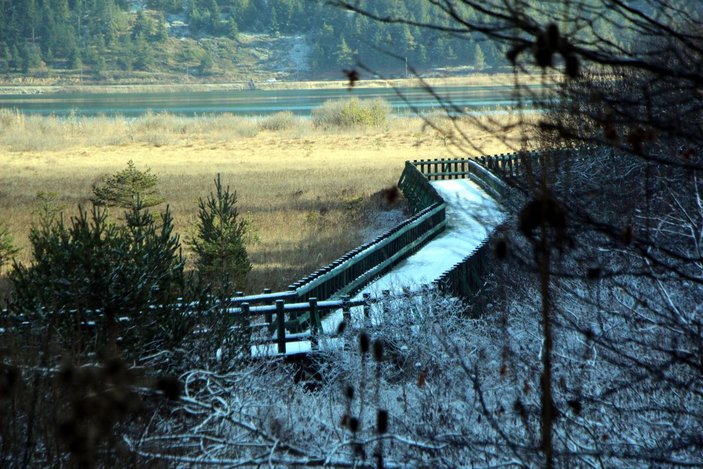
{"x": 309, "y": 299}
{"x": 381, "y": 266}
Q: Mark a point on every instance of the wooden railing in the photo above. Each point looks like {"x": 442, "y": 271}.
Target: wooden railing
{"x": 520, "y": 166}
{"x": 356, "y": 269}
{"x": 416, "y": 187}
{"x": 360, "y": 266}
{"x": 282, "y": 317}
{"x": 306, "y": 302}
{"x": 464, "y": 168}
{"x": 466, "y": 277}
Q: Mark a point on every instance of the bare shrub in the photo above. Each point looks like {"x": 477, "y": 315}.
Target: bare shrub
{"x": 229, "y": 125}
{"x": 279, "y": 121}
{"x": 351, "y": 113}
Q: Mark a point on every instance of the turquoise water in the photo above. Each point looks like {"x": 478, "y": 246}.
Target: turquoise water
{"x": 254, "y": 102}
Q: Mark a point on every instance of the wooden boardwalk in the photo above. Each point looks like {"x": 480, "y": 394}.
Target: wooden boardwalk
{"x": 457, "y": 205}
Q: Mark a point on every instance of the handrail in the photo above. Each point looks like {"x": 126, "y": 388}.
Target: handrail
{"x": 464, "y": 277}
{"x": 361, "y": 265}
{"x": 307, "y": 300}
{"x": 357, "y": 270}
{"x": 417, "y": 188}
{"x": 489, "y": 182}
{"x": 348, "y": 273}
{"x": 513, "y": 166}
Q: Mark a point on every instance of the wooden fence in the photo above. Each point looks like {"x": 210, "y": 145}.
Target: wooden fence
{"x": 496, "y": 175}
{"x": 465, "y": 279}
{"x": 301, "y": 308}
{"x": 360, "y": 266}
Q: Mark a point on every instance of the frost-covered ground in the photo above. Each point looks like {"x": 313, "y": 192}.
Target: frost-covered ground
{"x": 427, "y": 386}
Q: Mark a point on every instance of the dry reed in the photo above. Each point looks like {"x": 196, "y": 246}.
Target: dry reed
{"x": 307, "y": 192}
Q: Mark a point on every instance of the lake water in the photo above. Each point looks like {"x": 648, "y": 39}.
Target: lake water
{"x": 254, "y": 102}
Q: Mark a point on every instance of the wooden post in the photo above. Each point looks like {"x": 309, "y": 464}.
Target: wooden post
{"x": 246, "y": 324}
{"x": 293, "y": 288}
{"x": 315, "y": 324}
{"x": 386, "y": 299}
{"x": 367, "y": 305}
{"x": 269, "y": 316}
{"x": 281, "y": 326}
{"x": 346, "y": 310}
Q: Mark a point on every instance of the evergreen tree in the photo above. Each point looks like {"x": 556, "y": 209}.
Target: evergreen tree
{"x": 144, "y": 54}
{"x": 16, "y": 60}
{"x": 215, "y": 16}
{"x": 232, "y": 28}
{"x": 75, "y": 61}
{"x": 5, "y": 58}
{"x": 207, "y": 64}
{"x": 7, "y": 247}
{"x": 479, "y": 59}
{"x": 125, "y": 54}
{"x": 274, "y": 27}
{"x": 161, "y": 34}
{"x": 219, "y": 245}
{"x": 92, "y": 264}
{"x": 31, "y": 57}
{"x": 100, "y": 67}
{"x": 124, "y": 187}
{"x": 344, "y": 55}
{"x": 58, "y": 27}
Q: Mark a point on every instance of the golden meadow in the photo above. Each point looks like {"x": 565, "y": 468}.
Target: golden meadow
{"x": 309, "y": 191}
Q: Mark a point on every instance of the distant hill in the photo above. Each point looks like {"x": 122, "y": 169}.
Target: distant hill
{"x": 155, "y": 40}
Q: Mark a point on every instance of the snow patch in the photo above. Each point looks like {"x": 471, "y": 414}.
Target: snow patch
{"x": 471, "y": 217}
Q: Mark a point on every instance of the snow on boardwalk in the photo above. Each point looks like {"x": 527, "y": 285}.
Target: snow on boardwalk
{"x": 471, "y": 217}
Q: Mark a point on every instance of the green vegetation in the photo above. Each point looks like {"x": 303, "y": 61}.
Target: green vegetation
{"x": 125, "y": 187}
{"x": 7, "y": 246}
{"x": 280, "y": 121}
{"x": 221, "y": 257}
{"x": 93, "y": 264}
{"x": 109, "y": 39}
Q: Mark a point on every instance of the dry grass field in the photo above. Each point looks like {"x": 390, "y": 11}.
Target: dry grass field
{"x": 308, "y": 193}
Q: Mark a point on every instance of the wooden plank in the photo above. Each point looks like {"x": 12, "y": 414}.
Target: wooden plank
{"x": 281, "y": 328}
{"x": 315, "y": 324}
{"x": 380, "y": 267}
{"x": 363, "y": 255}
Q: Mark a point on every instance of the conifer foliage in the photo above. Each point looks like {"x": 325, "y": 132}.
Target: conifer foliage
{"x": 93, "y": 264}
{"x": 221, "y": 256}
{"x": 7, "y": 248}
{"x": 124, "y": 187}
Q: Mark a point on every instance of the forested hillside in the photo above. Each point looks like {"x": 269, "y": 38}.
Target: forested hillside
{"x": 110, "y": 38}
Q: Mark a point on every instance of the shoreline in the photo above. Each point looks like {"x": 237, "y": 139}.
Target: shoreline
{"x": 473, "y": 79}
